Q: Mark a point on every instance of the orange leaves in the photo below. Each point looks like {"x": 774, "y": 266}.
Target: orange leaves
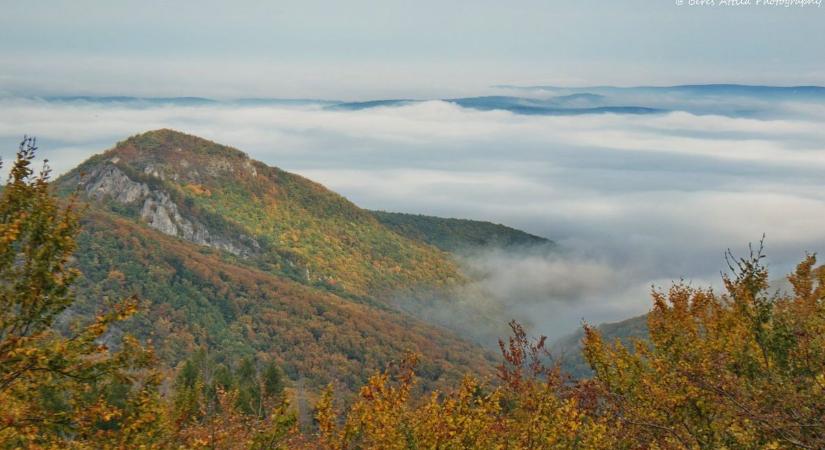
{"x": 808, "y": 282}
{"x": 467, "y": 418}
{"x": 116, "y": 276}
{"x": 522, "y": 358}
{"x": 327, "y": 419}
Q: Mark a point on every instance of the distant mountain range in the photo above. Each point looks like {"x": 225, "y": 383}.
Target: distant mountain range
{"x": 739, "y": 100}
{"x": 563, "y": 106}
{"x": 694, "y": 89}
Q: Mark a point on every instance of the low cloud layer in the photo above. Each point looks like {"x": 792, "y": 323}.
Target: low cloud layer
{"x": 633, "y": 200}
{"x": 550, "y": 289}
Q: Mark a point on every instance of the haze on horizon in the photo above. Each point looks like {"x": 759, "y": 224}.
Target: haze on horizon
{"x": 367, "y": 49}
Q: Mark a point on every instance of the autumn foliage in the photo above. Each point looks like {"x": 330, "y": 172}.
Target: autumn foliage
{"x": 744, "y": 369}
{"x": 529, "y": 406}
{"x": 60, "y": 389}
{"x": 297, "y": 295}
{"x": 740, "y": 369}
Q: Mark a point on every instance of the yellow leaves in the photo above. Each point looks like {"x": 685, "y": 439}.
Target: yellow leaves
{"x": 529, "y": 414}
{"x": 327, "y": 419}
{"x": 22, "y": 351}
{"x": 819, "y": 386}
{"x": 198, "y": 189}
{"x": 722, "y": 371}
{"x": 99, "y": 326}
{"x": 126, "y": 309}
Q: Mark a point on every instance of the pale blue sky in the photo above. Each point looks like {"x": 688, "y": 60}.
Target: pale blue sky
{"x": 373, "y": 49}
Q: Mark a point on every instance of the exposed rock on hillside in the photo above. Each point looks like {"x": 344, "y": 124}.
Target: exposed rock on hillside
{"x": 157, "y": 209}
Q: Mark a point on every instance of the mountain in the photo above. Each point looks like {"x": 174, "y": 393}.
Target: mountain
{"x": 566, "y": 105}
{"x": 743, "y": 90}
{"x": 458, "y": 235}
{"x": 357, "y": 106}
{"x": 217, "y": 196}
{"x": 247, "y": 259}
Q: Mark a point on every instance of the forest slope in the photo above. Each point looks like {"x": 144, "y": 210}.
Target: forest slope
{"x": 245, "y": 259}
{"x": 217, "y": 196}
{"x": 458, "y": 235}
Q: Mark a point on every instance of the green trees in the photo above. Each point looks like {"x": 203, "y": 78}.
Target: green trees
{"x": 58, "y": 388}
{"x": 224, "y": 405}
{"x": 458, "y": 235}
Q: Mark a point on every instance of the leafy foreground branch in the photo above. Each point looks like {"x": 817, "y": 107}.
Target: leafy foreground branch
{"x": 60, "y": 389}
{"x": 743, "y": 369}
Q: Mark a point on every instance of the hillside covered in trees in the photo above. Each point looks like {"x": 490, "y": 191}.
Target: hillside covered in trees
{"x": 128, "y": 321}
{"x": 229, "y": 254}
{"x": 216, "y": 196}
{"x": 458, "y": 235}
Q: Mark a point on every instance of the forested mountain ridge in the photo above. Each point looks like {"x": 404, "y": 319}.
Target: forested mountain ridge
{"x": 458, "y": 235}
{"x": 230, "y": 254}
{"x": 217, "y": 196}
{"x": 192, "y": 297}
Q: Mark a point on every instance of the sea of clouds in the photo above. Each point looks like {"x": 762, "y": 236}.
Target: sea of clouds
{"x": 633, "y": 200}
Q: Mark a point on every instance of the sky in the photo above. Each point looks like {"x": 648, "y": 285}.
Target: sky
{"x": 634, "y": 200}
{"x": 360, "y": 49}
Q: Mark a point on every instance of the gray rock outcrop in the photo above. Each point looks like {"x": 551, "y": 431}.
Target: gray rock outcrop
{"x": 158, "y": 210}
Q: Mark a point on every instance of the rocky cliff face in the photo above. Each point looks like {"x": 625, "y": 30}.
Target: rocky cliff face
{"x": 108, "y": 180}
{"x": 157, "y": 209}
